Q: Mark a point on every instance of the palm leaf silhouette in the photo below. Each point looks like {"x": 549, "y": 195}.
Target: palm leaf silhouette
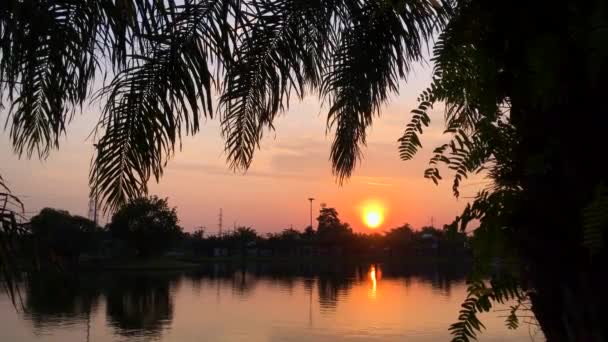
{"x": 162, "y": 64}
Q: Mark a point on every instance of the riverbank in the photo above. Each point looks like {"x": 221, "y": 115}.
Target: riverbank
{"x": 185, "y": 263}
{"x": 160, "y": 263}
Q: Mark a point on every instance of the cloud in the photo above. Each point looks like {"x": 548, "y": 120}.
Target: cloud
{"x": 217, "y": 170}
{"x": 376, "y": 181}
{"x": 302, "y": 156}
{"x": 379, "y": 184}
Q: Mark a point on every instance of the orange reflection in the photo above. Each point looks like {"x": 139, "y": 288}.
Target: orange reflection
{"x": 372, "y": 277}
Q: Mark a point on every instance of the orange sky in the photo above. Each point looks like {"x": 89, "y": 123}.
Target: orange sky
{"x": 291, "y": 166}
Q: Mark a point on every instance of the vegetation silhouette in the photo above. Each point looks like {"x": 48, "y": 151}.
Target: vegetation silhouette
{"x": 146, "y": 231}
{"x": 140, "y": 304}
{"x": 60, "y": 238}
{"x": 10, "y": 230}
{"x": 332, "y": 239}
{"x": 147, "y": 225}
{"x": 166, "y": 60}
{"x": 52, "y": 300}
{"x": 512, "y": 85}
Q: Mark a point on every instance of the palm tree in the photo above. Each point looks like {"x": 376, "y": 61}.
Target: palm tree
{"x": 165, "y": 62}
{"x": 10, "y": 230}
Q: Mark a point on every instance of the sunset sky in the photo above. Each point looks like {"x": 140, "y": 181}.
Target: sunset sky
{"x": 291, "y": 166}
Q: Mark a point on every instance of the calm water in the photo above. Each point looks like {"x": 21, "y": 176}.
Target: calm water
{"x": 254, "y": 303}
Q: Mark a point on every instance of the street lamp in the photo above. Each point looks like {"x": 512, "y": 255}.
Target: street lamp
{"x": 311, "y": 199}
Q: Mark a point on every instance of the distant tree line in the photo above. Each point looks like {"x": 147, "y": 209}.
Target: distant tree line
{"x": 147, "y": 227}
{"x": 332, "y": 237}
{"x": 144, "y": 227}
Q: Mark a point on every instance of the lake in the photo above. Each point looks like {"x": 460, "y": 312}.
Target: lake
{"x": 256, "y": 302}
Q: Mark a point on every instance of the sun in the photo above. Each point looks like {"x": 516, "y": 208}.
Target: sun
{"x": 373, "y": 212}
{"x": 373, "y": 217}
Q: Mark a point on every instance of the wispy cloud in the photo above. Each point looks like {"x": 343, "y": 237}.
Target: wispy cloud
{"x": 376, "y": 181}
{"x": 379, "y": 184}
{"x": 217, "y": 170}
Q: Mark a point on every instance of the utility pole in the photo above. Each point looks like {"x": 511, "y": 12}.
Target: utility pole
{"x": 220, "y": 223}
{"x": 311, "y": 199}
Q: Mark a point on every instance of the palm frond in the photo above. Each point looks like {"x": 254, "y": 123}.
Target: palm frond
{"x": 47, "y": 63}
{"x": 375, "y": 49}
{"x": 164, "y": 57}
{"x": 11, "y": 209}
{"x": 280, "y": 51}
{"x": 3, "y": 185}
{"x": 152, "y": 102}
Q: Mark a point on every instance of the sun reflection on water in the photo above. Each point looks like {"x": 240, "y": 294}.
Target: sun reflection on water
{"x": 372, "y": 277}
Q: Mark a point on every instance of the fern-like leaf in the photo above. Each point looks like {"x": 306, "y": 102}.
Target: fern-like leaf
{"x": 480, "y": 297}
{"x": 409, "y": 143}
{"x": 595, "y": 221}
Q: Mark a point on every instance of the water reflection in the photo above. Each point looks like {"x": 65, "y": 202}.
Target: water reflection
{"x": 331, "y": 289}
{"x": 55, "y": 301}
{"x": 372, "y": 277}
{"x": 140, "y": 304}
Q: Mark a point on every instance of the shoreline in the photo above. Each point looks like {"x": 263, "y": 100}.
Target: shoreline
{"x": 170, "y": 263}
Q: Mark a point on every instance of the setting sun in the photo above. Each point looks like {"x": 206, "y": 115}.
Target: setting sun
{"x": 373, "y": 219}
{"x": 373, "y": 216}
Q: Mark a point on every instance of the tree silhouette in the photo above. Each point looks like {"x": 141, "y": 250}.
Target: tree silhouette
{"x": 140, "y": 304}
{"x": 400, "y": 238}
{"x": 61, "y": 236}
{"x": 245, "y": 234}
{"x": 515, "y": 88}
{"x": 309, "y": 232}
{"x": 332, "y": 232}
{"x": 328, "y": 219}
{"x": 147, "y": 224}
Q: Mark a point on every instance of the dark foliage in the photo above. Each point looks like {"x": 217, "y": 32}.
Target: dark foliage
{"x": 60, "y": 237}
{"x": 11, "y": 230}
{"x": 333, "y": 238}
{"x": 515, "y": 84}
{"x": 147, "y": 224}
{"x": 330, "y": 229}
{"x": 163, "y": 61}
